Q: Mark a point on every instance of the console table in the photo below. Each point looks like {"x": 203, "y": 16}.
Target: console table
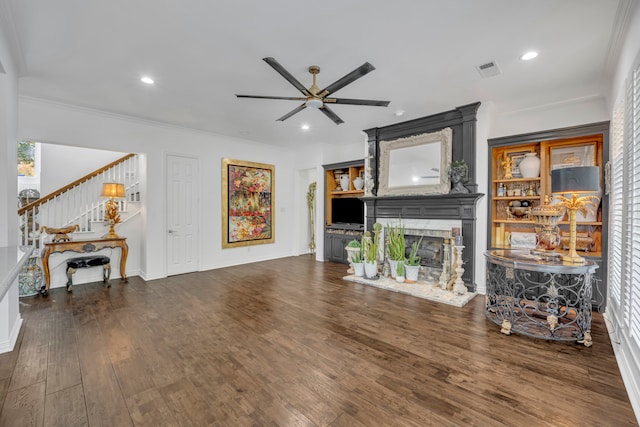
{"x": 541, "y": 298}
{"x": 83, "y": 246}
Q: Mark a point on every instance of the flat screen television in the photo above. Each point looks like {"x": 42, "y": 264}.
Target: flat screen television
{"x": 347, "y": 211}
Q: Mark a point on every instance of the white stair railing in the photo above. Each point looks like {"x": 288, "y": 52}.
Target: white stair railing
{"x": 80, "y": 202}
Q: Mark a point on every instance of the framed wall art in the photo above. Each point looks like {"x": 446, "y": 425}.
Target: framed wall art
{"x": 248, "y": 197}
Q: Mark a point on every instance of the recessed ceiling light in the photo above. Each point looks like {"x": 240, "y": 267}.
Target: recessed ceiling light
{"x": 529, "y": 55}
{"x": 398, "y": 113}
{"x": 304, "y": 127}
{"x": 148, "y": 80}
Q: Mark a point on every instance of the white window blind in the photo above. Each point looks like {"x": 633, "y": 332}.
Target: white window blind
{"x": 634, "y": 235}
{"x": 616, "y": 204}
{"x": 624, "y": 236}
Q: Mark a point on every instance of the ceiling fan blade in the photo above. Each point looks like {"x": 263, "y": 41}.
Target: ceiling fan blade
{"x": 292, "y": 112}
{"x": 349, "y": 78}
{"x": 287, "y": 75}
{"x": 357, "y": 102}
{"x": 333, "y": 116}
{"x": 289, "y": 98}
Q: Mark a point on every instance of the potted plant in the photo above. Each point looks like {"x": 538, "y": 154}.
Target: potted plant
{"x": 352, "y": 247}
{"x": 412, "y": 264}
{"x": 458, "y": 174}
{"x": 400, "y": 272}
{"x": 395, "y": 246}
{"x": 358, "y": 264}
{"x": 356, "y": 259}
{"x": 370, "y": 248}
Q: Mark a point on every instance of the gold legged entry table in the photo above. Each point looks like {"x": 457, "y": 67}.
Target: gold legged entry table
{"x": 542, "y": 298}
{"x": 83, "y": 246}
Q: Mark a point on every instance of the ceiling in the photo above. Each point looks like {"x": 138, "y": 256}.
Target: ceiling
{"x": 201, "y": 53}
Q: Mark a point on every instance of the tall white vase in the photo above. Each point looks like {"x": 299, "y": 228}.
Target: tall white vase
{"x": 344, "y": 182}
{"x": 530, "y": 166}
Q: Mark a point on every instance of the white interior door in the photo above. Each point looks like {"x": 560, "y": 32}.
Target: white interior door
{"x": 182, "y": 214}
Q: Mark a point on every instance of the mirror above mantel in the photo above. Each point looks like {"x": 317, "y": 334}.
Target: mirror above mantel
{"x": 416, "y": 164}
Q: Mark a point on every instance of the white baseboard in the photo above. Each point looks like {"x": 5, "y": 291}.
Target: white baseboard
{"x": 627, "y": 363}
{"x": 8, "y": 345}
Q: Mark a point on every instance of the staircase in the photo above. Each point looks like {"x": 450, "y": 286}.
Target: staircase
{"x": 80, "y": 202}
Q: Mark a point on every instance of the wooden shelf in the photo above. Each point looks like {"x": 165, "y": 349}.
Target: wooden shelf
{"x": 513, "y": 221}
{"x": 517, "y": 180}
{"x": 593, "y": 254}
{"x": 348, "y": 193}
{"x": 516, "y": 198}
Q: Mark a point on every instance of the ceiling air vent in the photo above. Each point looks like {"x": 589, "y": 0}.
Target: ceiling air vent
{"x": 488, "y": 69}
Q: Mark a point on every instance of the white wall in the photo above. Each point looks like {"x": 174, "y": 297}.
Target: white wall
{"x": 8, "y": 147}
{"x": 552, "y": 116}
{"x": 68, "y": 125}
{"x": 62, "y": 164}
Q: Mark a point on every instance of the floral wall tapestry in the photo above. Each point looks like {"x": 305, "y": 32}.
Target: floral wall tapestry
{"x": 247, "y": 203}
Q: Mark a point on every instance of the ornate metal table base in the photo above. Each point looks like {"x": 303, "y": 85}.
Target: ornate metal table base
{"x": 539, "y": 298}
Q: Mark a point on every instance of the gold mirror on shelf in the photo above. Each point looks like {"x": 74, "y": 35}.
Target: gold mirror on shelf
{"x": 416, "y": 165}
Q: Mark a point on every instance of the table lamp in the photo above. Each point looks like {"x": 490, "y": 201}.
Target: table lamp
{"x": 570, "y": 184}
{"x": 112, "y": 191}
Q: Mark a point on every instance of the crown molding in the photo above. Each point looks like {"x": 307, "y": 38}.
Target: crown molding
{"x": 619, "y": 29}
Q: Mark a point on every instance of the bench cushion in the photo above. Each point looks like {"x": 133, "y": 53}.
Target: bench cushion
{"x": 88, "y": 261}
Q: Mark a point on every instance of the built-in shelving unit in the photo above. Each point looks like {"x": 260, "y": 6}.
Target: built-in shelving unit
{"x": 343, "y": 209}
{"x": 578, "y": 146}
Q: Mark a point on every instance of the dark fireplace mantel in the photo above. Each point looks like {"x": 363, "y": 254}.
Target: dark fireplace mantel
{"x": 440, "y": 206}
{"x": 460, "y": 206}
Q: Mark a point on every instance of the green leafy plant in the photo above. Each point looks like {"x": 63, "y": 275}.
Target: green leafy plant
{"x": 371, "y": 243}
{"x": 414, "y": 259}
{"x": 459, "y": 167}
{"x": 354, "y": 244}
{"x": 400, "y": 269}
{"x": 395, "y": 242}
{"x": 356, "y": 256}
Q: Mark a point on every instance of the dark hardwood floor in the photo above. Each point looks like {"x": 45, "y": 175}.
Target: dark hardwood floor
{"x": 288, "y": 342}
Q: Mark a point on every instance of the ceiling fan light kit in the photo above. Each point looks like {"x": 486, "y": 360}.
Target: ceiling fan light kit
{"x": 314, "y": 103}
{"x": 316, "y": 98}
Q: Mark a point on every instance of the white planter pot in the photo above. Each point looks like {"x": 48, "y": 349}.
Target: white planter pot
{"x": 400, "y": 279}
{"x": 411, "y": 273}
{"x": 358, "y": 269}
{"x": 393, "y": 268}
{"x": 370, "y": 269}
{"x": 530, "y": 166}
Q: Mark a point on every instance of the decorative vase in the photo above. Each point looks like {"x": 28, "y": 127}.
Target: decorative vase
{"x": 358, "y": 183}
{"x": 530, "y": 166}
{"x": 344, "y": 182}
{"x": 411, "y": 273}
{"x": 358, "y": 269}
{"x": 371, "y": 269}
{"x": 30, "y": 278}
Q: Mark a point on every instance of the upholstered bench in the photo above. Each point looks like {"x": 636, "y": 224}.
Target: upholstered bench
{"x": 85, "y": 262}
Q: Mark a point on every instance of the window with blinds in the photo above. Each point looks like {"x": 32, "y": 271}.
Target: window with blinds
{"x": 624, "y": 231}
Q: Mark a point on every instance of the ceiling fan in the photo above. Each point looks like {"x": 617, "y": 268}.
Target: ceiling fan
{"x": 314, "y": 97}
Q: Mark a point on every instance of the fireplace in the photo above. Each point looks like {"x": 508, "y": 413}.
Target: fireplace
{"x": 435, "y": 216}
{"x": 435, "y": 235}
{"x": 431, "y": 250}
{"x": 459, "y": 207}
